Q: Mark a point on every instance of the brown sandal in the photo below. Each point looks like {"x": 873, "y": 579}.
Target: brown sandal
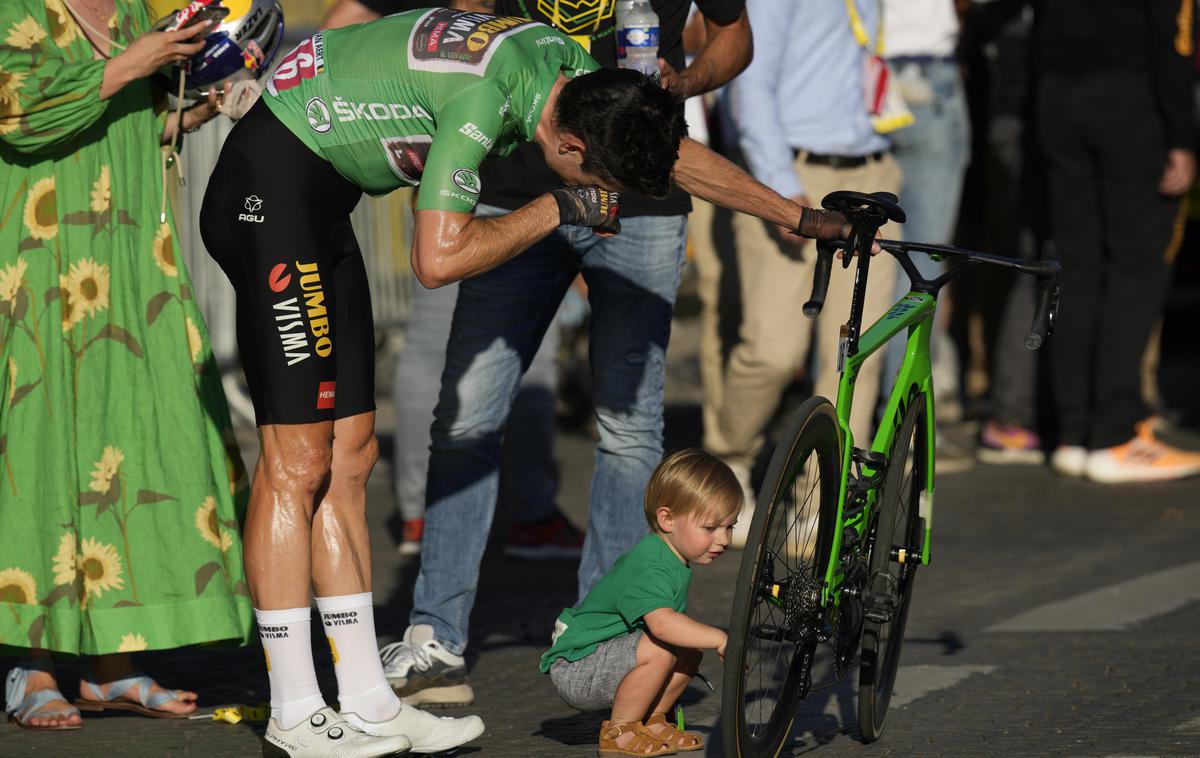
{"x": 684, "y": 742}
{"x": 644, "y": 744}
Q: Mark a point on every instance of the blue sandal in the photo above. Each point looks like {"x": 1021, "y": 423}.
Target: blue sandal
{"x": 23, "y": 707}
{"x": 148, "y": 704}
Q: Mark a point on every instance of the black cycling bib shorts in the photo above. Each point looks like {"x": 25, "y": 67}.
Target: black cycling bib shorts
{"x": 276, "y": 217}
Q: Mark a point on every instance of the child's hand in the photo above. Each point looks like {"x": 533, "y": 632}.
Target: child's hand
{"x": 721, "y": 647}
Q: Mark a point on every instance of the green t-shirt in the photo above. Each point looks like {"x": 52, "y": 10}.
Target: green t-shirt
{"x": 422, "y": 97}
{"x": 648, "y": 577}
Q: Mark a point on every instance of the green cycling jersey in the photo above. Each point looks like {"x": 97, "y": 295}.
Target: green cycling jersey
{"x": 422, "y": 97}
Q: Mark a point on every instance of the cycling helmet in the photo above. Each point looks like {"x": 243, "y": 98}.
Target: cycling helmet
{"x": 243, "y": 46}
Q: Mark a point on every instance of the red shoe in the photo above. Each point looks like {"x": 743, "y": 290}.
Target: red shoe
{"x": 549, "y": 540}
{"x": 410, "y": 538}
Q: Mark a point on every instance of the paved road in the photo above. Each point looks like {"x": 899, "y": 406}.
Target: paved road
{"x": 1058, "y": 619}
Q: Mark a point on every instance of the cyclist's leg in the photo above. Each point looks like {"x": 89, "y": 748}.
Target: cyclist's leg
{"x": 876, "y": 175}
{"x": 341, "y": 545}
{"x": 498, "y": 323}
{"x": 632, "y": 280}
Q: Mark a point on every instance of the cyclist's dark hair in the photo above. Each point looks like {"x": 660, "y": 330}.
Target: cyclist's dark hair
{"x": 630, "y": 124}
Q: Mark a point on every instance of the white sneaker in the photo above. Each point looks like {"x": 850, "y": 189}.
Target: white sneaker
{"x": 741, "y": 529}
{"x": 426, "y": 732}
{"x": 423, "y": 672}
{"x": 1070, "y": 460}
{"x": 325, "y": 734}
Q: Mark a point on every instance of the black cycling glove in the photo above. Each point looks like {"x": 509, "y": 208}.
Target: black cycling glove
{"x": 821, "y": 225}
{"x": 588, "y": 206}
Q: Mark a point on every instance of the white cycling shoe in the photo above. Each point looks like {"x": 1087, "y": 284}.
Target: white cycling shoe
{"x": 325, "y": 734}
{"x": 426, "y": 732}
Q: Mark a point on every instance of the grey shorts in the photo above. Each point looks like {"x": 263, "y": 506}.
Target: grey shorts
{"x": 590, "y": 683}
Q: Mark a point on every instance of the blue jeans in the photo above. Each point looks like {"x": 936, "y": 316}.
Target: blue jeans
{"x": 530, "y": 483}
{"x": 933, "y": 153}
{"x": 498, "y": 323}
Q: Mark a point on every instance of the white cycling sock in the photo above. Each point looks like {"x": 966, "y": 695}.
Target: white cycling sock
{"x": 287, "y": 644}
{"x": 363, "y": 690}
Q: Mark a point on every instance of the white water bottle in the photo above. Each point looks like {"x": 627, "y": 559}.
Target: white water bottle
{"x": 637, "y": 38}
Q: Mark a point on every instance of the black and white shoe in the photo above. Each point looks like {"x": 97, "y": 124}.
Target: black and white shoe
{"x": 423, "y": 672}
{"x": 426, "y": 732}
{"x": 325, "y": 734}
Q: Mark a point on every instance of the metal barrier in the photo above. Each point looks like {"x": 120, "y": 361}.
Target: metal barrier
{"x": 383, "y": 227}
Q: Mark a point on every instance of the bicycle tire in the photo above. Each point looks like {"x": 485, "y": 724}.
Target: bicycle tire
{"x": 810, "y": 445}
{"x": 896, "y": 524}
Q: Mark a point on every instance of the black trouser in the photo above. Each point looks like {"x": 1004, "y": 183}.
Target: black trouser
{"x": 1105, "y": 151}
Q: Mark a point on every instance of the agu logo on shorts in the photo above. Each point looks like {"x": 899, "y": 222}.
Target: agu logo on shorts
{"x": 326, "y": 395}
{"x": 252, "y": 204}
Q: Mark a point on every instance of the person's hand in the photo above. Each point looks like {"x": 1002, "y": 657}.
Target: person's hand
{"x": 673, "y": 81}
{"x": 1179, "y": 172}
{"x": 721, "y": 647}
{"x": 589, "y": 206}
{"x": 786, "y": 234}
{"x": 150, "y": 52}
{"x": 206, "y": 109}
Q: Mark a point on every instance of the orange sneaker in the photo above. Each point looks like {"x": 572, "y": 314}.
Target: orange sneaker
{"x": 1144, "y": 458}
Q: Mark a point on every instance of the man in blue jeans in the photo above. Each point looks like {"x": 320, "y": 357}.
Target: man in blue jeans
{"x": 498, "y": 324}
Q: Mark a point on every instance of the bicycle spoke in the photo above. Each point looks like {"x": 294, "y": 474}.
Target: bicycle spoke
{"x": 791, "y": 530}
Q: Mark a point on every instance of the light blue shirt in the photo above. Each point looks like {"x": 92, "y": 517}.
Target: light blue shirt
{"x": 803, "y": 90}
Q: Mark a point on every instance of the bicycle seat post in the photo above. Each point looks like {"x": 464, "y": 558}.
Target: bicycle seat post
{"x": 865, "y": 213}
{"x": 860, "y": 243}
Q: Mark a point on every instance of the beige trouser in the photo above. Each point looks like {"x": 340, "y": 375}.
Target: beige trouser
{"x": 710, "y": 268}
{"x": 775, "y": 337}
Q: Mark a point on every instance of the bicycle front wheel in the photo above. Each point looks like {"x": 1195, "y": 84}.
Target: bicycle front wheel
{"x": 777, "y": 612}
{"x": 895, "y": 552}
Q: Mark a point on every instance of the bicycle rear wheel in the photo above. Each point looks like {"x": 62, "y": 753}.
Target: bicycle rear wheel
{"x": 776, "y": 610}
{"x": 895, "y": 549}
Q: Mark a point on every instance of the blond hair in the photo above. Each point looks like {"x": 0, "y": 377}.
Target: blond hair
{"x": 692, "y": 481}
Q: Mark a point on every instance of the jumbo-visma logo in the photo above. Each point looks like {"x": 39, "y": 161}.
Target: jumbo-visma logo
{"x": 318, "y": 115}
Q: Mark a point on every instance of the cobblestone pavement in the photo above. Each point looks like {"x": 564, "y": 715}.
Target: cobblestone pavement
{"x": 1057, "y": 619}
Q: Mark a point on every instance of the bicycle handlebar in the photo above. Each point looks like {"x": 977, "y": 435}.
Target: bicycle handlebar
{"x": 1047, "y": 309}
{"x": 825, "y": 251}
{"x": 1046, "y": 272}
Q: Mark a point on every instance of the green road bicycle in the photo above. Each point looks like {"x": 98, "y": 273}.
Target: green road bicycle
{"x": 839, "y": 531}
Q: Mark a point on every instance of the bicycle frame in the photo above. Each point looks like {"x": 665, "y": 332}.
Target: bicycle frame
{"x": 913, "y": 312}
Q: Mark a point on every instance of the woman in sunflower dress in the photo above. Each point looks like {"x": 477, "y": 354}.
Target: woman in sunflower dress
{"x": 121, "y": 487}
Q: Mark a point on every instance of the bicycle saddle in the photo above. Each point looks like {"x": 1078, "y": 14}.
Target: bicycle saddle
{"x": 861, "y": 208}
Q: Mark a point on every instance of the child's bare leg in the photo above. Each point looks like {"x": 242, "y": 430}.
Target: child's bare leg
{"x": 687, "y": 662}
{"x": 644, "y": 685}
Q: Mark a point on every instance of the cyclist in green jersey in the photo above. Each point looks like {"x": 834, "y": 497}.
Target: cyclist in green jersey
{"x": 418, "y": 98}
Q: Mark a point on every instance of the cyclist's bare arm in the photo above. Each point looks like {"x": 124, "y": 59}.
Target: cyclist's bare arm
{"x": 708, "y": 176}
{"x": 449, "y": 246}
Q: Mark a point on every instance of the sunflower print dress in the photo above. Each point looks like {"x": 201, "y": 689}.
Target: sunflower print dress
{"x": 121, "y": 487}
